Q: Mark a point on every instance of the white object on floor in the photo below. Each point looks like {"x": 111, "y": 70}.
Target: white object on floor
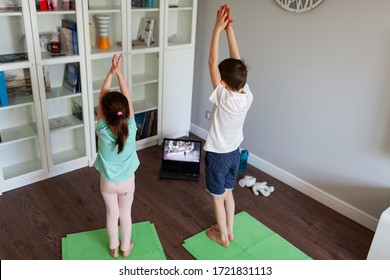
{"x": 380, "y": 246}
{"x": 247, "y": 181}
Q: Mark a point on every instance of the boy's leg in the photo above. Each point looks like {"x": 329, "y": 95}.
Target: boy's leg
{"x": 230, "y": 208}
{"x": 221, "y": 235}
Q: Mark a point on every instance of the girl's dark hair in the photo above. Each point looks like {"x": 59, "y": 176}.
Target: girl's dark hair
{"x": 234, "y": 73}
{"x": 116, "y": 111}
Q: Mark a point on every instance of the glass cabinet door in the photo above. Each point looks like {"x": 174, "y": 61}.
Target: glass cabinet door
{"x": 106, "y": 22}
{"x": 179, "y": 27}
{"x": 22, "y": 145}
{"x": 146, "y": 25}
{"x": 61, "y": 77}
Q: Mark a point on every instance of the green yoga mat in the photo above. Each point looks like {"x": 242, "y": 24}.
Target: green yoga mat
{"x": 252, "y": 241}
{"x": 93, "y": 245}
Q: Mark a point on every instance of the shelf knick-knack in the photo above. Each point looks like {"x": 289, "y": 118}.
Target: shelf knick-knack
{"x": 103, "y": 22}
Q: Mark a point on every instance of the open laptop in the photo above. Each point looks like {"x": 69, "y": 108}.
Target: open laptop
{"x": 180, "y": 159}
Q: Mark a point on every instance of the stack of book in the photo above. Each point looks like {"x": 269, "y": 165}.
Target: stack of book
{"x": 146, "y": 124}
{"x": 14, "y": 84}
{"x": 72, "y": 78}
{"x": 69, "y": 41}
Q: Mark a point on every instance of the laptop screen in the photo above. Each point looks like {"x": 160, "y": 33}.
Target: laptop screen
{"x": 181, "y": 150}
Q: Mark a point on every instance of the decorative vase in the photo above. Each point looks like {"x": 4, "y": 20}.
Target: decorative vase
{"x": 103, "y": 22}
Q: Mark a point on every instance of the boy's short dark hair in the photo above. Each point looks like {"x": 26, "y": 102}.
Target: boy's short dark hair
{"x": 233, "y": 72}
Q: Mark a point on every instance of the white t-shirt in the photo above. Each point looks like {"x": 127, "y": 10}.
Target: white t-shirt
{"x": 227, "y": 119}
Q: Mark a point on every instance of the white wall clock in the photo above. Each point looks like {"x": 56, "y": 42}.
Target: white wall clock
{"x": 298, "y": 6}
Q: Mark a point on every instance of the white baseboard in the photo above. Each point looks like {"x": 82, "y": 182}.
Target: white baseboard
{"x": 310, "y": 190}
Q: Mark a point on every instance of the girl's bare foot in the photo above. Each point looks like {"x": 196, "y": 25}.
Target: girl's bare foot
{"x": 114, "y": 252}
{"x": 216, "y": 236}
{"x": 127, "y": 253}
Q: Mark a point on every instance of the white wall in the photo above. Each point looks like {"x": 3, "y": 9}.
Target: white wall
{"x": 320, "y": 120}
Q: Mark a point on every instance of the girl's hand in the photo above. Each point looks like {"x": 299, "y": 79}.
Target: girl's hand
{"x": 116, "y": 64}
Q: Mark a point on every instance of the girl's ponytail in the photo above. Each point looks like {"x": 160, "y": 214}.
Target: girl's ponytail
{"x": 123, "y": 132}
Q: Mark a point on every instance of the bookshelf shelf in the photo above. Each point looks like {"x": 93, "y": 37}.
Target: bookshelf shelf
{"x": 17, "y": 134}
{"x": 21, "y": 169}
{"x": 141, "y": 79}
{"x": 144, "y": 10}
{"x": 142, "y": 106}
{"x": 56, "y": 13}
{"x": 72, "y": 123}
{"x": 176, "y": 9}
{"x": 60, "y": 92}
{"x": 10, "y": 14}
{"x": 103, "y": 10}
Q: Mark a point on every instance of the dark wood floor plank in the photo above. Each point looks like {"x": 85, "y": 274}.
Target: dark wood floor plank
{"x": 34, "y": 218}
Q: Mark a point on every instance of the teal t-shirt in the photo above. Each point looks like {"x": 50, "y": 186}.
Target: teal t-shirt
{"x": 114, "y": 167}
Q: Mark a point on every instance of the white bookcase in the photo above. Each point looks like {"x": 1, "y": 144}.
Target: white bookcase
{"x": 141, "y": 64}
{"x": 179, "y": 52}
{"x": 48, "y": 130}
{"x": 43, "y": 134}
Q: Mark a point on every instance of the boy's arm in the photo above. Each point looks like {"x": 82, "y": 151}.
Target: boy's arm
{"x": 220, "y": 24}
{"x": 213, "y": 59}
{"x": 232, "y": 42}
{"x": 233, "y": 46}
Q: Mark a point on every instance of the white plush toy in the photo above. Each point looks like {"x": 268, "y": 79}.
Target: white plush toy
{"x": 247, "y": 181}
{"x": 262, "y": 188}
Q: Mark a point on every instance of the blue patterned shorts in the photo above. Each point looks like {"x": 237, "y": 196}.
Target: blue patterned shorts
{"x": 221, "y": 171}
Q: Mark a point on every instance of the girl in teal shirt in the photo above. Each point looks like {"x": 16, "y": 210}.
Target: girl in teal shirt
{"x": 117, "y": 158}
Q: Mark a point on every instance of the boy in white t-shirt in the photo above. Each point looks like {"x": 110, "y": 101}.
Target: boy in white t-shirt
{"x": 232, "y": 99}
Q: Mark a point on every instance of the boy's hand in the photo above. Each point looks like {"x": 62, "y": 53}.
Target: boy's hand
{"x": 228, "y": 19}
{"x": 223, "y": 18}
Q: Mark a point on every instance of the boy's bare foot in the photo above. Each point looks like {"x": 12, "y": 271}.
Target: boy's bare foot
{"x": 127, "y": 253}
{"x": 114, "y": 252}
{"x": 216, "y": 228}
{"x": 215, "y": 236}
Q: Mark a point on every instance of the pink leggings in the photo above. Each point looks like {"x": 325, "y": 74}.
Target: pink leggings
{"x": 118, "y": 198}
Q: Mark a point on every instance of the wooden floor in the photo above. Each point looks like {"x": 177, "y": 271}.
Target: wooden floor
{"x": 34, "y": 218}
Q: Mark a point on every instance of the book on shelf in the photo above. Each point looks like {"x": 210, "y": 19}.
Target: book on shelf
{"x": 73, "y": 27}
{"x": 51, "y": 5}
{"x": 46, "y": 77}
{"x": 18, "y": 82}
{"x": 72, "y": 77}
{"x": 13, "y": 57}
{"x": 77, "y": 109}
{"x": 66, "y": 41}
{"x": 53, "y": 123}
{"x": 139, "y": 118}
{"x": 41, "y": 5}
{"x": 146, "y": 123}
{"x": 145, "y": 31}
{"x": 64, "y": 5}
{"x": 138, "y": 3}
{"x": 3, "y": 91}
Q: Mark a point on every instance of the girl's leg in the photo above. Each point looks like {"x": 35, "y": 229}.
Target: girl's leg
{"x": 112, "y": 212}
{"x": 125, "y": 202}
